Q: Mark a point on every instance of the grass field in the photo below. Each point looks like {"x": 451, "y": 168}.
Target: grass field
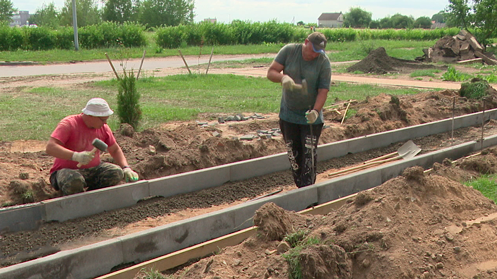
{"x": 345, "y": 51}
{"x": 34, "y": 113}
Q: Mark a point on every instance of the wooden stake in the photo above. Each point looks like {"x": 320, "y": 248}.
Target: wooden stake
{"x": 143, "y": 57}
{"x": 184, "y": 61}
{"x": 208, "y": 65}
{"x": 345, "y": 113}
{"x": 112, "y": 66}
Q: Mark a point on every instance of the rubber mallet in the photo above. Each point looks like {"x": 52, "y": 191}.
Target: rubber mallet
{"x": 97, "y": 144}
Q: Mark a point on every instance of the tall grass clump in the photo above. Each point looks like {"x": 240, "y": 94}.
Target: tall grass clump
{"x": 486, "y": 184}
{"x": 453, "y": 75}
{"x": 476, "y": 89}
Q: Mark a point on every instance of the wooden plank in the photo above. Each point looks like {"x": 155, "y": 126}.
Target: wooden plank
{"x": 183, "y": 256}
{"x": 180, "y": 257}
{"x": 470, "y": 61}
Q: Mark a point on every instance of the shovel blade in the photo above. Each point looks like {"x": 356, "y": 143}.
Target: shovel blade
{"x": 408, "y": 150}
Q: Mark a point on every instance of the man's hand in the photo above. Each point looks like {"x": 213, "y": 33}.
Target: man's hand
{"x": 311, "y": 116}
{"x": 83, "y": 158}
{"x": 130, "y": 175}
{"x": 287, "y": 82}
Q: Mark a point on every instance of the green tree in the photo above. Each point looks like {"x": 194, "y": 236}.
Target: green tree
{"x": 6, "y": 11}
{"x": 399, "y": 21}
{"x": 357, "y": 18}
{"x": 47, "y": 16}
{"x": 121, "y": 10}
{"x": 439, "y": 17}
{"x": 478, "y": 15}
{"x": 87, "y": 13}
{"x": 155, "y": 13}
{"x": 422, "y": 22}
{"x": 374, "y": 24}
{"x": 385, "y": 23}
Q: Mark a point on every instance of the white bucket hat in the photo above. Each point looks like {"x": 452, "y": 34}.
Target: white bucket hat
{"x": 97, "y": 107}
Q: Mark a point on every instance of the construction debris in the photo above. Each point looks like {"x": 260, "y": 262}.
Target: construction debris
{"x": 461, "y": 48}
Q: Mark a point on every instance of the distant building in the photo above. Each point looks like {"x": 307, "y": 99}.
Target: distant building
{"x": 330, "y": 20}
{"x": 211, "y": 20}
{"x": 20, "y": 19}
{"x": 435, "y": 25}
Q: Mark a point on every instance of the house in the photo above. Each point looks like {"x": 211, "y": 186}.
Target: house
{"x": 20, "y": 19}
{"x": 211, "y": 20}
{"x": 330, "y": 20}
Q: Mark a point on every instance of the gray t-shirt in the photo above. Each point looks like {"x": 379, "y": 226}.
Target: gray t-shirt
{"x": 317, "y": 73}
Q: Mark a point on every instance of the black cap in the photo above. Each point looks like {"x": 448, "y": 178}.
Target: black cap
{"x": 318, "y": 41}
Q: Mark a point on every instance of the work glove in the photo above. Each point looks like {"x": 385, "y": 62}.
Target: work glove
{"x": 130, "y": 175}
{"x": 287, "y": 82}
{"x": 311, "y": 116}
{"x": 83, "y": 158}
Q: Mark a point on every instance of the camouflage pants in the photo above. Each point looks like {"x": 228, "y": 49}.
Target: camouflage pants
{"x": 301, "y": 144}
{"x": 71, "y": 181}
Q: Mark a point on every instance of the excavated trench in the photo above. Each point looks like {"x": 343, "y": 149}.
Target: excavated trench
{"x": 53, "y": 237}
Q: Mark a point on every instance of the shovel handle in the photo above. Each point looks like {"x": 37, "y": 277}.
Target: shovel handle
{"x": 364, "y": 166}
{"x": 381, "y": 157}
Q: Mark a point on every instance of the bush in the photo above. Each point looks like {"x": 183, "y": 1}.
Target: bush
{"x": 10, "y": 38}
{"x": 39, "y": 38}
{"x": 476, "y": 89}
{"x": 128, "y": 107}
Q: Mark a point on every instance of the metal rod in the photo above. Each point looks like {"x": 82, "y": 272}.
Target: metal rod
{"x": 453, "y": 115}
{"x": 482, "y": 124}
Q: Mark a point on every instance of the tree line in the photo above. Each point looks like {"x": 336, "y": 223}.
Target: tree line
{"x": 150, "y": 13}
{"x": 476, "y": 16}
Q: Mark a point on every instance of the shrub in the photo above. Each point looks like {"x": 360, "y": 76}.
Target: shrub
{"x": 128, "y": 107}
{"x": 476, "y": 89}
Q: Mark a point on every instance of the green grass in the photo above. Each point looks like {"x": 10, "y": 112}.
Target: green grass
{"x": 486, "y": 184}
{"x": 337, "y": 52}
{"x": 344, "y": 91}
{"x": 34, "y": 113}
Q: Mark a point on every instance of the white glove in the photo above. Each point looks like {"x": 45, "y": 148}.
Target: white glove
{"x": 83, "y": 158}
{"x": 287, "y": 82}
{"x": 311, "y": 116}
{"x": 130, "y": 175}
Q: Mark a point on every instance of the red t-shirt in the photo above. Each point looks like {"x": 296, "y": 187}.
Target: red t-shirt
{"x": 75, "y": 135}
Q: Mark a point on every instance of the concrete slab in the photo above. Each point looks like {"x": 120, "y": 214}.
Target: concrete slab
{"x": 94, "y": 202}
{"x": 27, "y": 217}
{"x": 86, "y": 262}
{"x": 189, "y": 182}
{"x": 259, "y": 166}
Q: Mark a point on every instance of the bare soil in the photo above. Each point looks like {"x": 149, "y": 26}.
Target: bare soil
{"x": 416, "y": 226}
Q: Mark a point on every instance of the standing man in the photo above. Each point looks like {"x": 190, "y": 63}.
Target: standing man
{"x": 301, "y": 118}
{"x": 75, "y": 168}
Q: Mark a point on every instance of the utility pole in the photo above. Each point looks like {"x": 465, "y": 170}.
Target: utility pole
{"x": 75, "y": 25}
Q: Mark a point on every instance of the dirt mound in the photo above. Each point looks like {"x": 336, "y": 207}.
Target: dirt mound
{"x": 418, "y": 225}
{"x": 378, "y": 62}
{"x": 181, "y": 147}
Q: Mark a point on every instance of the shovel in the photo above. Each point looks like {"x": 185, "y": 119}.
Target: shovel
{"x": 402, "y": 151}
{"x": 407, "y": 151}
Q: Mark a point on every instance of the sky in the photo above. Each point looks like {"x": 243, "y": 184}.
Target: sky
{"x": 290, "y": 11}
